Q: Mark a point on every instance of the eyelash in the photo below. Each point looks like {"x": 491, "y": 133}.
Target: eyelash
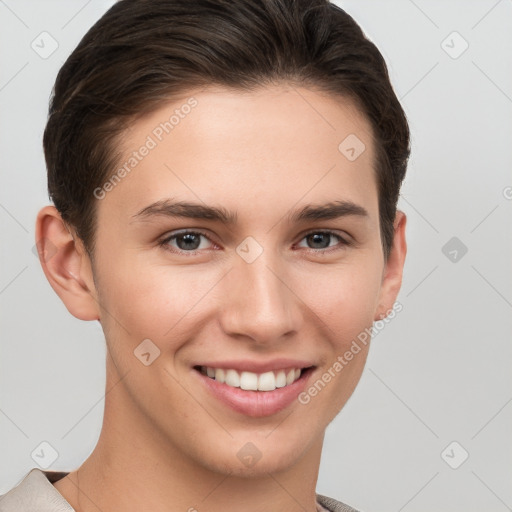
{"x": 342, "y": 242}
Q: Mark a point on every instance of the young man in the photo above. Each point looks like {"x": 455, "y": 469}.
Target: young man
{"x": 225, "y": 178}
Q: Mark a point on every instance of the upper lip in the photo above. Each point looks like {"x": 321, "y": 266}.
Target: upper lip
{"x": 257, "y": 366}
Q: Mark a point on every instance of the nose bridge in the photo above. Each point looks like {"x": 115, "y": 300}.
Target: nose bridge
{"x": 259, "y": 303}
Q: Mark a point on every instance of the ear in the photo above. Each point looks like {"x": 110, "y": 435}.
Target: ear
{"x": 66, "y": 264}
{"x": 393, "y": 269}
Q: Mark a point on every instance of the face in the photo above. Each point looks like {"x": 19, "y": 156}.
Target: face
{"x": 237, "y": 259}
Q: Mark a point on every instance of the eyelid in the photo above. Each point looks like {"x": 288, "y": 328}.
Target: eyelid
{"x": 344, "y": 241}
{"x": 174, "y": 234}
{"x": 344, "y": 235}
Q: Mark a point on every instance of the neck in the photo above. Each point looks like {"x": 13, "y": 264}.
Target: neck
{"x": 134, "y": 467}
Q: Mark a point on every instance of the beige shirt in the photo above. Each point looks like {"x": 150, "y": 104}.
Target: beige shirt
{"x": 35, "y": 493}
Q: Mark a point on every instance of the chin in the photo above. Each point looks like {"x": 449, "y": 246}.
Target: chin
{"x": 244, "y": 458}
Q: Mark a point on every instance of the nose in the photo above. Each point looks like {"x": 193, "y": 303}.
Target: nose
{"x": 259, "y": 302}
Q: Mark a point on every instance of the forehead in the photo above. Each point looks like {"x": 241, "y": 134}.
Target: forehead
{"x": 266, "y": 147}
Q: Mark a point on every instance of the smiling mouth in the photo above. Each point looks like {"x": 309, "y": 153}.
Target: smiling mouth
{"x": 249, "y": 381}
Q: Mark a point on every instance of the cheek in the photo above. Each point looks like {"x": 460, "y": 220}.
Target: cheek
{"x": 159, "y": 302}
{"x": 345, "y": 301}
{"x": 169, "y": 302}
{"x": 345, "y": 298}
{"x": 129, "y": 298}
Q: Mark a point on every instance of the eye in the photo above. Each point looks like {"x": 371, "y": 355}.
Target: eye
{"x": 185, "y": 242}
{"x": 322, "y": 240}
{"x": 190, "y": 242}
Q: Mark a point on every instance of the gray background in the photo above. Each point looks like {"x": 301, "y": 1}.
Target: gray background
{"x": 438, "y": 373}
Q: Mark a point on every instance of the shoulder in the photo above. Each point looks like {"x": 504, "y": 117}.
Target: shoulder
{"x": 36, "y": 492}
{"x": 332, "y": 505}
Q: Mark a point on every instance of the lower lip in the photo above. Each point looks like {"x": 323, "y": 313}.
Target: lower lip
{"x": 256, "y": 403}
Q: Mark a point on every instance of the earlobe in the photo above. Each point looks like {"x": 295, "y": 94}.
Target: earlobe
{"x": 66, "y": 264}
{"x": 393, "y": 269}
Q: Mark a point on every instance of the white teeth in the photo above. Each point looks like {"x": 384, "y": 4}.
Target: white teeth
{"x": 250, "y": 381}
{"x": 220, "y": 375}
{"x": 280, "y": 379}
{"x": 232, "y": 378}
{"x": 267, "y": 382}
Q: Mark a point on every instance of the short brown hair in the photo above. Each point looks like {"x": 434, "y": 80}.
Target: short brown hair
{"x": 141, "y": 53}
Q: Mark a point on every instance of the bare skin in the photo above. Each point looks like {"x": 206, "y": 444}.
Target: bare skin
{"x": 167, "y": 444}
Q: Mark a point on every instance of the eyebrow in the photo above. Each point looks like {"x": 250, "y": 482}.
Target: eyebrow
{"x": 185, "y": 209}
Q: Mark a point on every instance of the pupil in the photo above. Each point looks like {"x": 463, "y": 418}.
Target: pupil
{"x": 316, "y": 238}
{"x": 189, "y": 241}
